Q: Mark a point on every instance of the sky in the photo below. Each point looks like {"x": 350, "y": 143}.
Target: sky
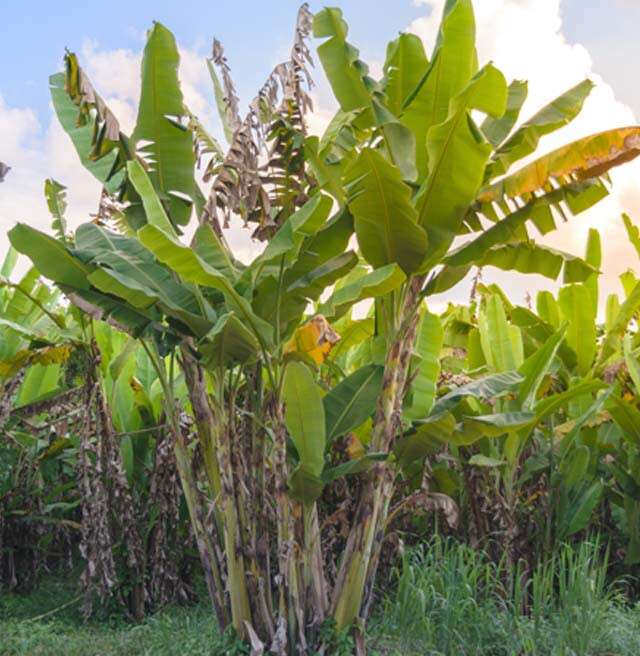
{"x": 552, "y": 43}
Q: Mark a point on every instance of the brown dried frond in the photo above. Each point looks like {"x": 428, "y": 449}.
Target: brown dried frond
{"x": 204, "y": 145}
{"x": 108, "y": 508}
{"x": 230, "y": 96}
{"x": 242, "y": 186}
{"x": 165, "y": 584}
{"x": 91, "y": 106}
{"x": 299, "y": 59}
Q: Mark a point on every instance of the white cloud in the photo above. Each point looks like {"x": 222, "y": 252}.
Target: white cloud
{"x": 525, "y": 40}
{"x": 23, "y": 150}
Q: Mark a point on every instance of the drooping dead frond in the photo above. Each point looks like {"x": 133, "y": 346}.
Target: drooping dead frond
{"x": 229, "y": 96}
{"x": 108, "y": 508}
{"x": 426, "y": 501}
{"x": 237, "y": 185}
{"x": 79, "y": 88}
{"x": 106, "y": 138}
{"x": 96, "y": 541}
{"x": 284, "y": 175}
{"x": 259, "y": 193}
{"x": 204, "y": 145}
{"x": 300, "y": 59}
{"x": 165, "y": 584}
{"x": 54, "y": 406}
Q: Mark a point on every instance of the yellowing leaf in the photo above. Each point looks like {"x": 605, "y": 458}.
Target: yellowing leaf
{"x": 355, "y": 448}
{"x": 44, "y": 356}
{"x": 586, "y": 158}
{"x": 315, "y": 339}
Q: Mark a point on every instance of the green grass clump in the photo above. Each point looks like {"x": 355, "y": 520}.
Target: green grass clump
{"x": 452, "y": 601}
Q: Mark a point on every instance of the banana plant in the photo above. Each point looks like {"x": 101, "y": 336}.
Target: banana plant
{"x": 36, "y": 476}
{"x": 405, "y": 167}
{"x": 51, "y": 356}
{"x": 398, "y": 145}
{"x": 618, "y": 364}
{"x": 60, "y": 461}
{"x": 219, "y": 318}
{"x": 556, "y": 350}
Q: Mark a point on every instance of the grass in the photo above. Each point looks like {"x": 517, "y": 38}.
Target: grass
{"x": 449, "y": 601}
{"x": 173, "y": 631}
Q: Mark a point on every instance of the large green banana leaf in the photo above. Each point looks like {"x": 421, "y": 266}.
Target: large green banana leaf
{"x": 347, "y": 75}
{"x": 492, "y": 386}
{"x": 524, "y": 141}
{"x": 129, "y": 270}
{"x": 49, "y": 256}
{"x": 228, "y": 342}
{"x": 619, "y": 324}
{"x": 330, "y": 241}
{"x": 575, "y": 515}
{"x": 285, "y": 245}
{"x": 593, "y": 257}
{"x": 167, "y": 147}
{"x": 536, "y": 367}
{"x": 352, "y": 400}
{"x": 627, "y": 416}
{"x": 423, "y": 386}
{"x": 81, "y": 134}
{"x": 404, "y": 66}
{"x": 499, "y": 423}
{"x": 384, "y": 218}
{"x": 426, "y": 438}
{"x": 9, "y": 262}
{"x": 529, "y": 257}
{"x": 372, "y": 285}
{"x": 458, "y": 154}
{"x": 312, "y": 284}
{"x": 304, "y": 416}
{"x": 545, "y": 407}
{"x": 289, "y": 301}
{"x": 188, "y": 265}
{"x": 153, "y": 209}
{"x": 212, "y": 250}
{"x": 548, "y": 309}
{"x": 452, "y": 66}
{"x": 508, "y": 229}
{"x": 577, "y": 309}
{"x": 113, "y": 311}
{"x": 501, "y": 342}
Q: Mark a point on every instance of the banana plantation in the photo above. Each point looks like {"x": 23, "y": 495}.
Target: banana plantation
{"x": 286, "y": 445}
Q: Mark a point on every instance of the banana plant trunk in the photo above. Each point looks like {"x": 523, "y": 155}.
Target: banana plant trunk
{"x": 360, "y": 559}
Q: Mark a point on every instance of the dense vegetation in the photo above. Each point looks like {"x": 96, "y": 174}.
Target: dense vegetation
{"x": 284, "y": 429}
